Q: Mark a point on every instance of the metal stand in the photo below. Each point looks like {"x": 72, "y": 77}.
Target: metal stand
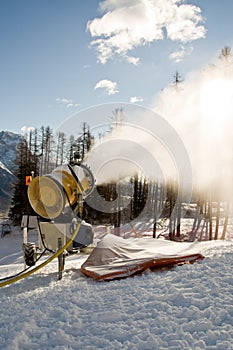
{"x": 61, "y": 259}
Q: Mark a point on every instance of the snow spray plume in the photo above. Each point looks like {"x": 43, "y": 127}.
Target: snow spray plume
{"x": 136, "y": 140}
{"x": 201, "y": 111}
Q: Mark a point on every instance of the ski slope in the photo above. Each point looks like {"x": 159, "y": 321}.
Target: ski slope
{"x": 186, "y": 307}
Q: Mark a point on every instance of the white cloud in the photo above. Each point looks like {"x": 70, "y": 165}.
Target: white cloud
{"x": 127, "y": 24}
{"x": 133, "y": 60}
{"x": 67, "y": 102}
{"x": 109, "y": 86}
{"x": 178, "y": 55}
{"x": 135, "y": 99}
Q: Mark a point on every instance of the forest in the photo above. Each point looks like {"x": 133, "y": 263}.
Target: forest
{"x": 40, "y": 152}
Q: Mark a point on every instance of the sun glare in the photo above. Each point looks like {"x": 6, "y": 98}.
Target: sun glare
{"x": 216, "y": 103}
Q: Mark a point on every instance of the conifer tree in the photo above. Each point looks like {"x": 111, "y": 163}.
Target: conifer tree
{"x": 27, "y": 162}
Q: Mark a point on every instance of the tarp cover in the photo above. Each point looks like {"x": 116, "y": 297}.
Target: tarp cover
{"x": 116, "y": 257}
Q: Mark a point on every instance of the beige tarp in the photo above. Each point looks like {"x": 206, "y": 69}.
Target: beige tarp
{"x": 116, "y": 257}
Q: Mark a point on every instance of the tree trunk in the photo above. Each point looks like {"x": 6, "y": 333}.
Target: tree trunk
{"x": 226, "y": 221}
{"x": 217, "y": 221}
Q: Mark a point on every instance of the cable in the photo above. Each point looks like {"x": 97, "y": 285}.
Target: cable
{"x": 30, "y": 272}
{"x": 42, "y": 238}
{"x": 44, "y": 251}
{"x": 27, "y": 268}
{"x": 75, "y": 177}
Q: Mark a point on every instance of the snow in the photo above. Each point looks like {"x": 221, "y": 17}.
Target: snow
{"x": 2, "y": 166}
{"x": 186, "y": 307}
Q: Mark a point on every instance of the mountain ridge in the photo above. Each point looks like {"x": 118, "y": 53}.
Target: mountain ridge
{"x": 9, "y": 142}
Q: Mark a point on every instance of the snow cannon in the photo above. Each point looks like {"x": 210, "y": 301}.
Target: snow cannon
{"x": 58, "y": 198}
{"x": 64, "y": 188}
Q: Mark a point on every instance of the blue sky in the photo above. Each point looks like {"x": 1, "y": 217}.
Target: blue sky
{"x": 59, "y": 57}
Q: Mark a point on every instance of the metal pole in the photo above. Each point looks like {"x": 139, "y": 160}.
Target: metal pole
{"x": 60, "y": 259}
{"x": 24, "y": 224}
{"x": 25, "y": 239}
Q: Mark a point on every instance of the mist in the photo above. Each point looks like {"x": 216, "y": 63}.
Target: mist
{"x": 201, "y": 111}
{"x": 126, "y": 151}
{"x": 187, "y": 134}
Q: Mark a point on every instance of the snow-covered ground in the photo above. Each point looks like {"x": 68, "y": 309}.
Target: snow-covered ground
{"x": 186, "y": 307}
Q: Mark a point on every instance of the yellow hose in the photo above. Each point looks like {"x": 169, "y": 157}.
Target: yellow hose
{"x": 30, "y": 272}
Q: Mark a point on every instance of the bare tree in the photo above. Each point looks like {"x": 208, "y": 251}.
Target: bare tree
{"x": 226, "y": 55}
{"x": 177, "y": 79}
{"x": 60, "y": 148}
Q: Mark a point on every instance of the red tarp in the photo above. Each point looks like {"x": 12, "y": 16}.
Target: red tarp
{"x": 116, "y": 257}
